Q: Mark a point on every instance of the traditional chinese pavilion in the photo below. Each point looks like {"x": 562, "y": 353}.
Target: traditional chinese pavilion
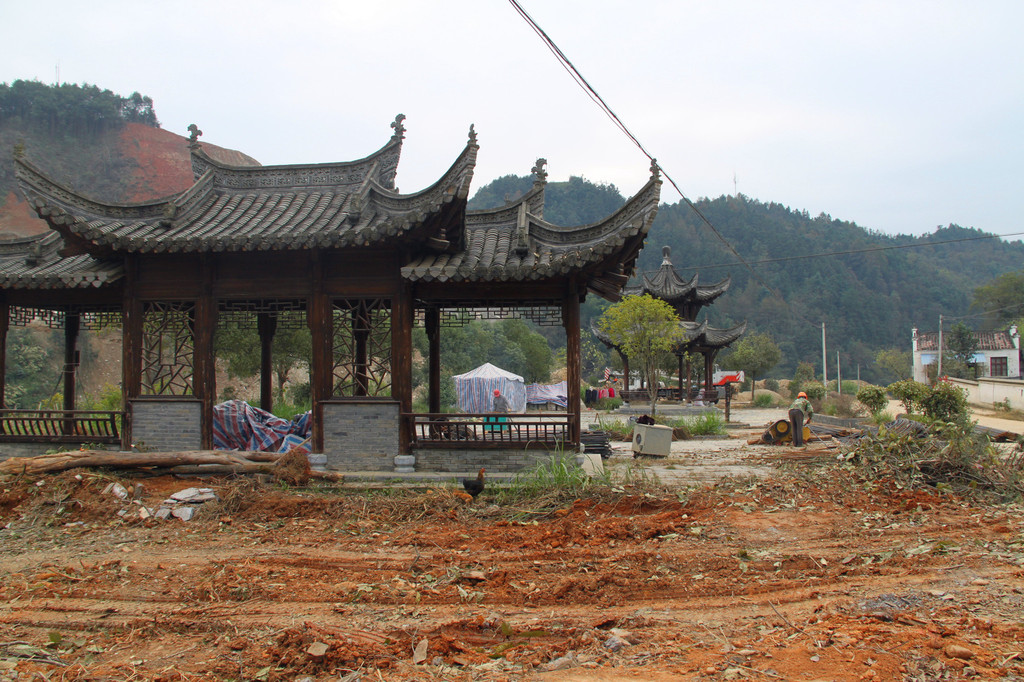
{"x": 335, "y": 246}
{"x": 687, "y": 297}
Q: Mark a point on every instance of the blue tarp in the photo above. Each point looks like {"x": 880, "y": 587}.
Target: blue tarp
{"x": 540, "y": 394}
{"x": 237, "y": 425}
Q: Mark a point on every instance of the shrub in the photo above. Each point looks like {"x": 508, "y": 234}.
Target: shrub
{"x": 850, "y": 387}
{"x": 873, "y": 398}
{"x": 945, "y": 402}
{"x": 772, "y": 385}
{"x": 608, "y": 404}
{"x": 909, "y": 392}
{"x": 815, "y": 390}
{"x": 763, "y": 400}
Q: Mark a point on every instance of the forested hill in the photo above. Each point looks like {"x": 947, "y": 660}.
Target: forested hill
{"x": 104, "y": 145}
{"x": 869, "y": 289}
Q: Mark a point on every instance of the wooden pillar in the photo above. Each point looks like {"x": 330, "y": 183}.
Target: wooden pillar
{"x": 5, "y": 323}
{"x": 132, "y": 314}
{"x": 319, "y": 317}
{"x": 433, "y": 324}
{"x": 401, "y": 363}
{"x": 571, "y": 320}
{"x": 679, "y": 381}
{"x": 266, "y": 325}
{"x": 72, "y": 325}
{"x": 203, "y": 329}
{"x": 625, "y": 368}
{"x": 709, "y": 360}
{"x": 689, "y": 376}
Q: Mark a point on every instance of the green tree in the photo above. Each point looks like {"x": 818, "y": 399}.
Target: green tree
{"x": 1002, "y": 299}
{"x": 240, "y": 347}
{"x": 962, "y": 344}
{"x": 646, "y": 328}
{"x": 873, "y": 398}
{"x": 755, "y": 354}
{"x": 895, "y": 362}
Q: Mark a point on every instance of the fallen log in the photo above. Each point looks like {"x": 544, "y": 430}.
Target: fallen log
{"x": 63, "y": 461}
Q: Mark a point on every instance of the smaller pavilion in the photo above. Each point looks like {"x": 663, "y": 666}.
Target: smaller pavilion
{"x": 686, "y": 297}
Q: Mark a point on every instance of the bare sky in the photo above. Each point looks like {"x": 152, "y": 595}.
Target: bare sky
{"x": 899, "y": 115}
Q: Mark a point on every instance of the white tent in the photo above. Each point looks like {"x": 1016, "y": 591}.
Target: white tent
{"x": 475, "y": 389}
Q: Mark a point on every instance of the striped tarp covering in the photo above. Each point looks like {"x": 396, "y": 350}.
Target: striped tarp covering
{"x": 237, "y": 425}
{"x": 538, "y": 394}
{"x": 475, "y": 389}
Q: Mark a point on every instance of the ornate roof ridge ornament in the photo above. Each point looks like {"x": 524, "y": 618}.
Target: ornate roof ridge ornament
{"x": 666, "y": 251}
{"x": 540, "y": 176}
{"x": 472, "y": 134}
{"x": 655, "y": 169}
{"x": 193, "y": 136}
{"x": 19, "y": 149}
{"x": 399, "y": 128}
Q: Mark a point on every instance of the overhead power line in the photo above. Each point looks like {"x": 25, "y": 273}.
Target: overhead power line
{"x": 596, "y": 97}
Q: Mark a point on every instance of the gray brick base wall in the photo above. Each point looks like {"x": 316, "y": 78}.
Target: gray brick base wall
{"x": 165, "y": 425}
{"x": 430, "y": 459}
{"x": 8, "y": 450}
{"x": 361, "y": 436}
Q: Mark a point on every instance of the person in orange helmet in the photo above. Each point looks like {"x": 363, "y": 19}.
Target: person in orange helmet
{"x": 799, "y": 413}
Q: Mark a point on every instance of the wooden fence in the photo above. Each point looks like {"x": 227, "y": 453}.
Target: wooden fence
{"x": 60, "y": 426}
{"x": 539, "y": 430}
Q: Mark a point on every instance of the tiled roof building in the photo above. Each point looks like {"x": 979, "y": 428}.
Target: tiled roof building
{"x": 337, "y": 243}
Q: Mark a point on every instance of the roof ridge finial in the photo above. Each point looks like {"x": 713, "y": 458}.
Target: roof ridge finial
{"x": 540, "y": 176}
{"x": 655, "y": 169}
{"x": 472, "y": 133}
{"x": 399, "y": 128}
{"x": 666, "y": 251}
{"x": 193, "y": 136}
{"x": 19, "y": 149}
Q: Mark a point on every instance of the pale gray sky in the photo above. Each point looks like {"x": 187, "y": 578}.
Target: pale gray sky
{"x": 898, "y": 115}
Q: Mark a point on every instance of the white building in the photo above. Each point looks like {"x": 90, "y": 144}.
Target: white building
{"x": 997, "y": 356}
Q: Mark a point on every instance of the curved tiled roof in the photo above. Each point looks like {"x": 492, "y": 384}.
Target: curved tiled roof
{"x": 35, "y": 263}
{"x": 701, "y": 335}
{"x": 245, "y": 208}
{"x": 513, "y": 243}
{"x": 666, "y": 284}
{"x": 696, "y": 335}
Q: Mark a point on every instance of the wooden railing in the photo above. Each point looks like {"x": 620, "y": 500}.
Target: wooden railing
{"x": 60, "y": 426}
{"x": 468, "y": 431}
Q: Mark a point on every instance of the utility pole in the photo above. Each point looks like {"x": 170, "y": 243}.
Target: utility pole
{"x": 939, "y": 372}
{"x": 824, "y": 366}
{"x": 839, "y": 375}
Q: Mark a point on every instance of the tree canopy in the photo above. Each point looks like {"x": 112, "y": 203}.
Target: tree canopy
{"x": 755, "y": 354}
{"x": 646, "y": 329}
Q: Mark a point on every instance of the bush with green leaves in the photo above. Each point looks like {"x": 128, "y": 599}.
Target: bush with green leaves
{"x": 764, "y": 400}
{"x": 909, "y": 392}
{"x": 873, "y": 398}
{"x": 608, "y": 404}
{"x": 945, "y": 402}
{"x": 772, "y": 385}
{"x": 815, "y": 390}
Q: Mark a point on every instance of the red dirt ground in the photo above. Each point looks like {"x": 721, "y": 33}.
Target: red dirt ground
{"x": 790, "y": 578}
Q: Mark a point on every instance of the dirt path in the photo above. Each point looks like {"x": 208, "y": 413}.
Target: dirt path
{"x": 790, "y": 576}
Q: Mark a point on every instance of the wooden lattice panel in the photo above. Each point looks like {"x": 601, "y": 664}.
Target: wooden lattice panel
{"x": 168, "y": 349}
{"x": 362, "y": 348}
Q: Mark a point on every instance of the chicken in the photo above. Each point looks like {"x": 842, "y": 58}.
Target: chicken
{"x": 474, "y": 486}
